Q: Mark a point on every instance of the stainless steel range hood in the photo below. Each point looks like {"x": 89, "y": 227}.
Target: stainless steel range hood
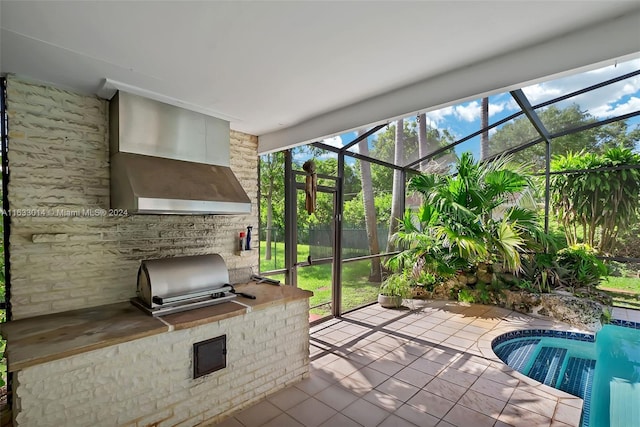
{"x": 168, "y": 160}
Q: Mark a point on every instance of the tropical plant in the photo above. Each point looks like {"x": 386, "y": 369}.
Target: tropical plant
{"x": 394, "y": 289}
{"x": 541, "y": 273}
{"x": 396, "y": 285}
{"x": 594, "y": 207}
{"x": 584, "y": 269}
{"x": 468, "y": 218}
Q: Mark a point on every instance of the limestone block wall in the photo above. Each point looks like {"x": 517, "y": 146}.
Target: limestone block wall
{"x": 148, "y": 382}
{"x": 66, "y": 255}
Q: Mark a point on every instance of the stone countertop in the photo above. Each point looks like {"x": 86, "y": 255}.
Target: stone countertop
{"x": 41, "y": 339}
{"x": 266, "y": 296}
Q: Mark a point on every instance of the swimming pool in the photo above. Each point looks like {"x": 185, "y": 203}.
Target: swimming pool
{"x": 603, "y": 370}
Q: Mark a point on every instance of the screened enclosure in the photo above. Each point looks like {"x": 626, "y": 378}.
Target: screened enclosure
{"x": 577, "y": 136}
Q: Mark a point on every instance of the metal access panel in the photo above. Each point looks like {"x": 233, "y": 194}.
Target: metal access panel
{"x": 209, "y": 356}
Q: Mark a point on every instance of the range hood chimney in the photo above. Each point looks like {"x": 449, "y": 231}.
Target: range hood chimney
{"x": 168, "y": 160}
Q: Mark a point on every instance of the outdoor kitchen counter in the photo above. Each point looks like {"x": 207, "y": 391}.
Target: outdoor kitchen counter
{"x": 266, "y": 296}
{"x": 51, "y": 337}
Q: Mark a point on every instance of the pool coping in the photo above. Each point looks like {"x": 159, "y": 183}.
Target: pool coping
{"x": 543, "y": 328}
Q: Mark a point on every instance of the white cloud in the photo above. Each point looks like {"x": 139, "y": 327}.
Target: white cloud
{"x": 631, "y": 105}
{"x": 600, "y": 102}
{"x": 509, "y": 104}
{"x": 334, "y": 141}
{"x": 439, "y": 115}
{"x": 469, "y": 112}
{"x": 542, "y": 92}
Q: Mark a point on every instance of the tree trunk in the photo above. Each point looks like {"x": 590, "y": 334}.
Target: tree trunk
{"x": 267, "y": 251}
{"x": 398, "y": 185}
{"x": 484, "y": 123}
{"x": 423, "y": 149}
{"x": 371, "y": 224}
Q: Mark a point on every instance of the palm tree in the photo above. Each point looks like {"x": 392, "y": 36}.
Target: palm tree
{"x": 369, "y": 211}
{"x": 469, "y": 218}
{"x": 484, "y": 123}
{"x": 398, "y": 185}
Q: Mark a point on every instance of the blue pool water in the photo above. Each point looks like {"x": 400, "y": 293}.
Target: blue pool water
{"x": 604, "y": 370}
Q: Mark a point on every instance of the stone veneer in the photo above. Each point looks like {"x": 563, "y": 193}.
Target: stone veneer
{"x": 148, "y": 382}
{"x": 63, "y": 257}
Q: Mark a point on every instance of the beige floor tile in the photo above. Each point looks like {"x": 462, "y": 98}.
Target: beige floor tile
{"x": 575, "y": 402}
{"x": 383, "y": 400}
{"x": 445, "y": 389}
{"x": 258, "y": 414}
{"x": 230, "y": 422}
{"x": 342, "y": 368}
{"x": 413, "y": 330}
{"x": 556, "y": 423}
{"x": 431, "y": 403}
{"x": 395, "y": 421}
{"x": 415, "y": 349}
{"x": 376, "y": 348}
{"x": 324, "y": 360}
{"x": 499, "y": 376}
{"x": 517, "y": 416}
{"x": 362, "y": 357}
{"x": 471, "y": 364}
{"x": 466, "y": 335}
{"x": 399, "y": 390}
{"x": 493, "y": 389}
{"x": 444, "y": 357}
{"x": 336, "y": 337}
{"x": 414, "y": 377}
{"x": 377, "y": 370}
{"x": 456, "y": 342}
{"x": 416, "y": 416}
{"x": 340, "y": 420}
{"x": 283, "y": 420}
{"x": 287, "y": 398}
{"x": 353, "y": 329}
{"x": 337, "y": 397}
{"x": 363, "y": 381}
{"x": 369, "y": 376}
{"x": 463, "y": 417}
{"x": 537, "y": 404}
{"x": 427, "y": 366}
{"x": 473, "y": 329}
{"x": 567, "y": 414}
{"x": 434, "y": 336}
{"x": 443, "y": 423}
{"x": 365, "y": 413}
{"x": 386, "y": 366}
{"x": 457, "y": 377}
{"x": 311, "y": 412}
{"x": 392, "y": 341}
{"x": 482, "y": 403}
{"x": 399, "y": 355}
{"x": 313, "y": 384}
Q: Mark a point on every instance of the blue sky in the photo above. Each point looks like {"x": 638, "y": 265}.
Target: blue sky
{"x": 464, "y": 118}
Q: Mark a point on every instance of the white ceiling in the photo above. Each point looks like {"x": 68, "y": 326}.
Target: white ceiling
{"x": 269, "y": 67}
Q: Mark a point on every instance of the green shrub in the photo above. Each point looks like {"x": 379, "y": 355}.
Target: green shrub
{"x": 584, "y": 269}
{"x": 396, "y": 285}
{"x": 465, "y": 295}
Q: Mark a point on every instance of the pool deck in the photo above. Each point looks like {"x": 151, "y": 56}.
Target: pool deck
{"x": 427, "y": 365}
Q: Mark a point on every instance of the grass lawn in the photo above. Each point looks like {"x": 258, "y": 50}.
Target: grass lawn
{"x": 625, "y": 291}
{"x": 357, "y": 290}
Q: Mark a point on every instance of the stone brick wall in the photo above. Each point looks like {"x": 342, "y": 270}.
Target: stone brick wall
{"x": 148, "y": 382}
{"x": 63, "y": 256}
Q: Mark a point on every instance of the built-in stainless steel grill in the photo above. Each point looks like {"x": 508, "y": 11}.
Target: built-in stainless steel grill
{"x": 177, "y": 284}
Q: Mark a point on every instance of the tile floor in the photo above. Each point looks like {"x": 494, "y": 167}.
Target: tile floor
{"x": 430, "y": 365}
